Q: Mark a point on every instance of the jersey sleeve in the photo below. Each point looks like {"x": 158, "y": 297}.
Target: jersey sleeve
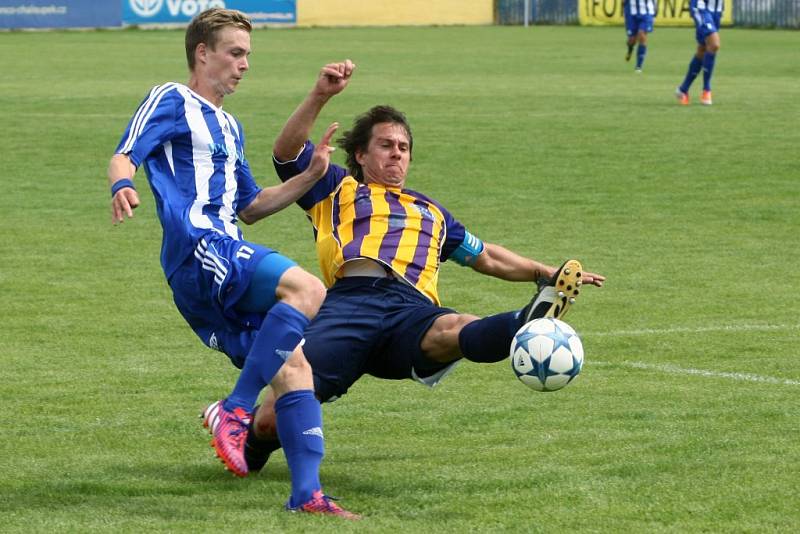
{"x": 151, "y": 126}
{"x": 247, "y": 188}
{"x": 324, "y": 187}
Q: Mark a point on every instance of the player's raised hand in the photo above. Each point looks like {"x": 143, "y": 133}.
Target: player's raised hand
{"x": 322, "y": 153}
{"x": 593, "y": 279}
{"x": 334, "y": 77}
{"x": 123, "y": 203}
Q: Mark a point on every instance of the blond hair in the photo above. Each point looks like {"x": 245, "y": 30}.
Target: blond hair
{"x": 205, "y": 26}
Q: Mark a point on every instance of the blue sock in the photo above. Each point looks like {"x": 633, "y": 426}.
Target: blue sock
{"x": 299, "y": 418}
{"x": 278, "y": 336}
{"x": 640, "y": 53}
{"x": 708, "y": 69}
{"x": 694, "y": 70}
{"x": 488, "y": 340}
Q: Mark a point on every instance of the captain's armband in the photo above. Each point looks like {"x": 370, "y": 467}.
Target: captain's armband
{"x": 467, "y": 252}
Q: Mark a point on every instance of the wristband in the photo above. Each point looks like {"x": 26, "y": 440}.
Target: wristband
{"x": 121, "y": 184}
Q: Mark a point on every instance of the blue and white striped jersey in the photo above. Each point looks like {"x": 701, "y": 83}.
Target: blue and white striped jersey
{"x": 641, "y": 7}
{"x": 193, "y": 154}
{"x": 714, "y": 6}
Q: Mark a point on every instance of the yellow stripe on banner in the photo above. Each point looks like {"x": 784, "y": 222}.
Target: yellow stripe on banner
{"x": 393, "y": 12}
{"x": 670, "y": 13}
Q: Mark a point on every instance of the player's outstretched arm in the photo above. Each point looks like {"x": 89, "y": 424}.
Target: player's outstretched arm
{"x": 273, "y": 199}
{"x": 498, "y": 261}
{"x": 124, "y": 199}
{"x": 332, "y": 80}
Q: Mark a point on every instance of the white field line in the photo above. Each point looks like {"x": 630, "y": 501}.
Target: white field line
{"x": 694, "y": 330}
{"x": 674, "y": 369}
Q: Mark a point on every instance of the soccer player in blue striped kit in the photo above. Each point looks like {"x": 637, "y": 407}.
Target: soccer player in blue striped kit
{"x": 707, "y": 16}
{"x": 240, "y": 298}
{"x": 380, "y": 246}
{"x": 639, "y": 15}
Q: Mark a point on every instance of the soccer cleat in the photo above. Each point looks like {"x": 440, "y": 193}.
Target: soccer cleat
{"x": 706, "y": 98}
{"x": 555, "y": 295}
{"x": 258, "y": 451}
{"x": 638, "y": 70}
{"x": 324, "y": 505}
{"x": 683, "y": 98}
{"x": 230, "y": 433}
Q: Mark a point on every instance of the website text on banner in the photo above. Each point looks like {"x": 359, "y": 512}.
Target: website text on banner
{"x": 18, "y": 14}
{"x": 143, "y": 12}
{"x": 670, "y": 13}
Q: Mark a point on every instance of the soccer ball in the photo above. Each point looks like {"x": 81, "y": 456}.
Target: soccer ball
{"x": 546, "y": 354}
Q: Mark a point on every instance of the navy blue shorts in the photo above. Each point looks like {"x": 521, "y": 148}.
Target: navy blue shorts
{"x": 705, "y": 23}
{"x": 636, "y": 23}
{"x": 369, "y": 326}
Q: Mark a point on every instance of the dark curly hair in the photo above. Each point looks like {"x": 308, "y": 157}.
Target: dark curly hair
{"x": 357, "y": 139}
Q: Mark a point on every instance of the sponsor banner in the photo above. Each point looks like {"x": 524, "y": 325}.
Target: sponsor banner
{"x": 59, "y": 14}
{"x": 143, "y": 12}
{"x": 394, "y": 12}
{"x": 670, "y": 13}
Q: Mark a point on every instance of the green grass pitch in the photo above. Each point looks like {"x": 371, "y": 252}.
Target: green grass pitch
{"x": 685, "y": 419}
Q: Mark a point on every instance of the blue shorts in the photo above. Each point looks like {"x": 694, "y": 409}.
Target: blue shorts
{"x": 705, "y": 23}
{"x": 369, "y": 326}
{"x": 636, "y": 23}
{"x": 210, "y": 285}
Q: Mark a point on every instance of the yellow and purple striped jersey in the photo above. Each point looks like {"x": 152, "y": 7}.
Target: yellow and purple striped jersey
{"x": 403, "y": 230}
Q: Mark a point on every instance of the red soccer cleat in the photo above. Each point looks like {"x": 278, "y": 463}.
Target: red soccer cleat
{"x": 683, "y": 98}
{"x": 230, "y": 433}
{"x": 322, "y": 504}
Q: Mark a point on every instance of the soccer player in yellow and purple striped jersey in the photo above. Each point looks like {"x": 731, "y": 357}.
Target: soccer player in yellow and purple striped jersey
{"x": 380, "y": 246}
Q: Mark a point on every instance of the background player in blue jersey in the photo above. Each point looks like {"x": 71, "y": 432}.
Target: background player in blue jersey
{"x": 707, "y": 15}
{"x": 639, "y": 15}
{"x": 240, "y": 298}
{"x": 380, "y": 246}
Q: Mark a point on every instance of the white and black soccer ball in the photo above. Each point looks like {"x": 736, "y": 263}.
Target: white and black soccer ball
{"x": 546, "y": 354}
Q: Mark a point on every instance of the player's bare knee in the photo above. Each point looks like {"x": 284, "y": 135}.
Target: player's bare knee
{"x": 440, "y": 342}
{"x": 294, "y": 374}
{"x": 301, "y": 290}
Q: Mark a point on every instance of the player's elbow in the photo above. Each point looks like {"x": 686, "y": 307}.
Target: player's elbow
{"x": 282, "y": 153}
{"x": 246, "y": 217}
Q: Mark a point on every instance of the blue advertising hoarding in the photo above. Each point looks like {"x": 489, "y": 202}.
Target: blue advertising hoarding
{"x": 141, "y": 12}
{"x": 59, "y": 14}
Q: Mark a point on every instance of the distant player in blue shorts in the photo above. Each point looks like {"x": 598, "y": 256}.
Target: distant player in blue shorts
{"x": 639, "y": 16}
{"x": 240, "y": 298}
{"x": 707, "y": 15}
{"x": 380, "y": 246}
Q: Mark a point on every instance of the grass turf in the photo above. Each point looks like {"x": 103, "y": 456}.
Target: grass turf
{"x": 685, "y": 417}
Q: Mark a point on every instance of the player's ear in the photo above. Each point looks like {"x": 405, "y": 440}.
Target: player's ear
{"x": 360, "y": 157}
{"x": 200, "y": 53}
